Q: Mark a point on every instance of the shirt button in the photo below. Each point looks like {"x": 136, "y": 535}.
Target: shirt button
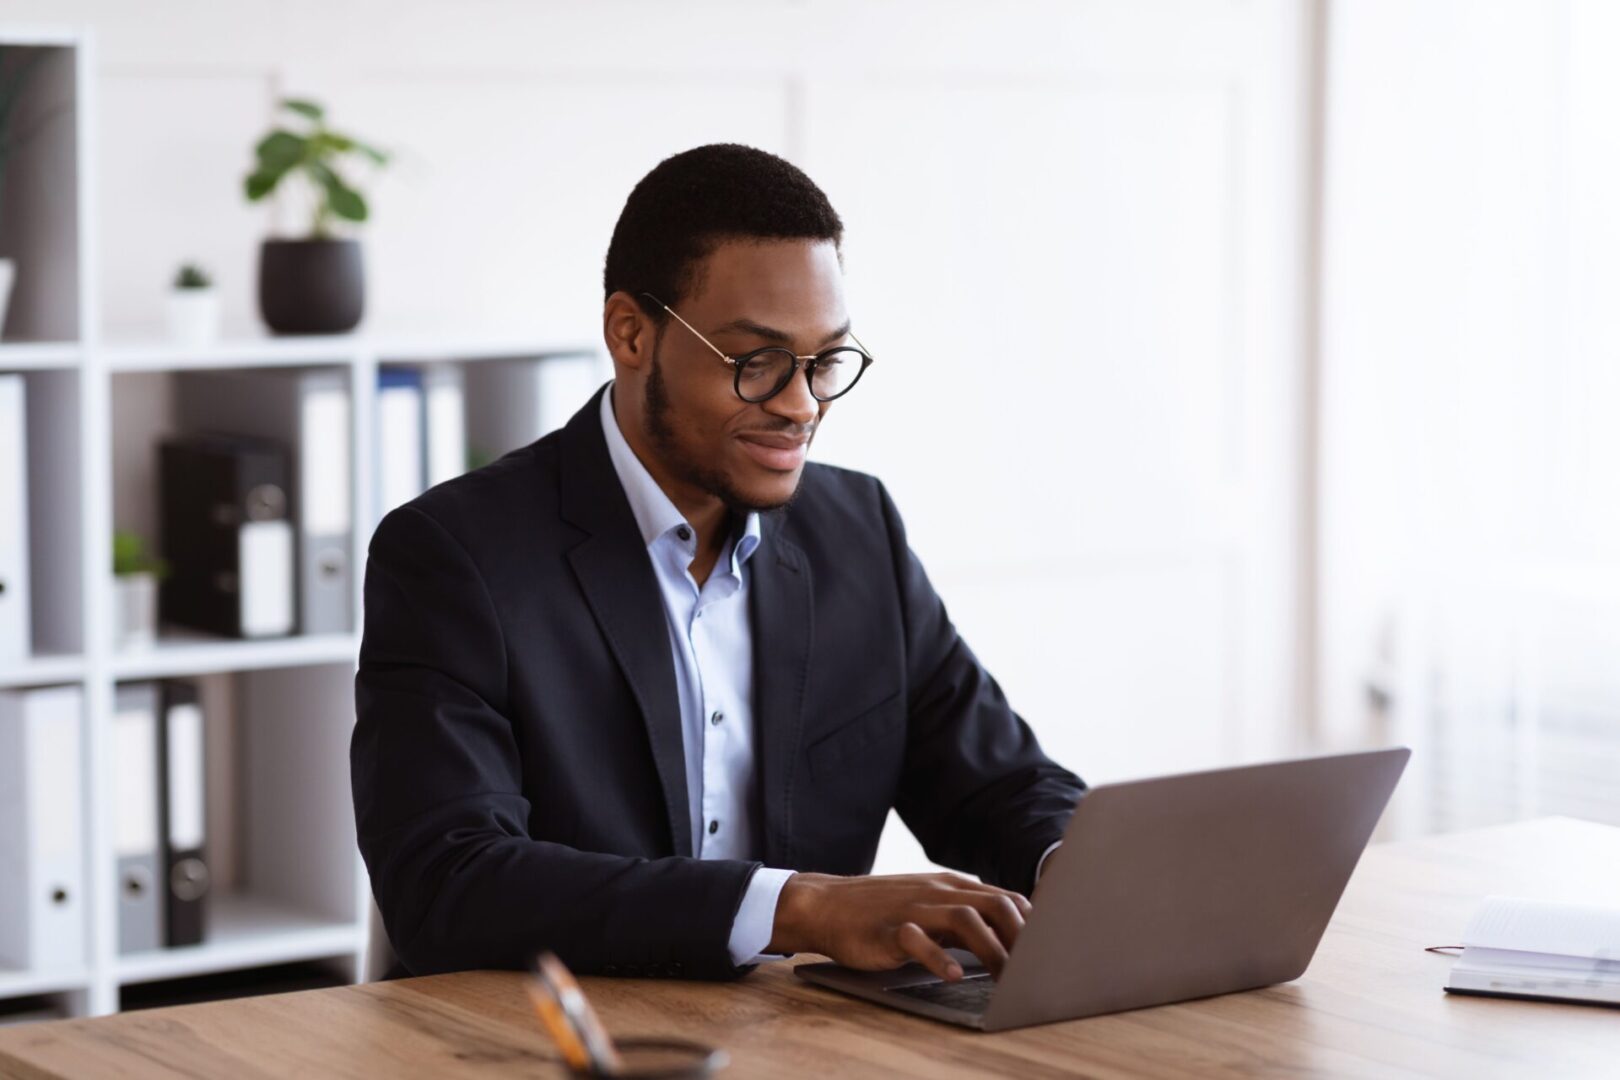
{"x": 717, "y": 717}
{"x": 684, "y": 533}
{"x": 714, "y": 826}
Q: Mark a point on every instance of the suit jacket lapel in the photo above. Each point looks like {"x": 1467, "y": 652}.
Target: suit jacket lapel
{"x": 782, "y": 616}
{"x": 622, "y": 590}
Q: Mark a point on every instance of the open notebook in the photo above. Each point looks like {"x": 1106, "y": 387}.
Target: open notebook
{"x": 1540, "y": 949}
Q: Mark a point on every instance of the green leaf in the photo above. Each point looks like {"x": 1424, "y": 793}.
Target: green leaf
{"x": 131, "y": 557}
{"x": 261, "y": 182}
{"x": 323, "y": 142}
{"x": 325, "y": 145}
{"x": 345, "y": 202}
{"x": 280, "y": 150}
{"x": 128, "y": 550}
{"x": 191, "y": 276}
{"x": 304, "y": 108}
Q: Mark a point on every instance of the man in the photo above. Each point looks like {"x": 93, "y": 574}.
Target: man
{"x": 644, "y": 692}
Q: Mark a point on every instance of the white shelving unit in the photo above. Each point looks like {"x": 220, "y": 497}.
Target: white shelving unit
{"x": 296, "y": 889}
{"x": 41, "y": 356}
{"x": 245, "y": 932}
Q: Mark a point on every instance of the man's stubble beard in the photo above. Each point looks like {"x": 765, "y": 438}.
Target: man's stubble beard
{"x": 662, "y": 434}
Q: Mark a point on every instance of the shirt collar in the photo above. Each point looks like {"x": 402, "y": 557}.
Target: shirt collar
{"x": 655, "y": 515}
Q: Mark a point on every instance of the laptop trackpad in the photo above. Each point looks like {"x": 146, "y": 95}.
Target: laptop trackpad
{"x": 912, "y": 974}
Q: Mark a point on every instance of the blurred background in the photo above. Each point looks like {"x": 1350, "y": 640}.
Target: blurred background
{"x": 1248, "y": 371}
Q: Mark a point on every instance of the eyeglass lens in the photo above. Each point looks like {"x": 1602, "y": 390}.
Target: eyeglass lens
{"x": 764, "y": 374}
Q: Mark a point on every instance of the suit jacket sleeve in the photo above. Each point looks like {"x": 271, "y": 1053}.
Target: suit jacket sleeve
{"x": 976, "y": 789}
{"x": 439, "y": 806}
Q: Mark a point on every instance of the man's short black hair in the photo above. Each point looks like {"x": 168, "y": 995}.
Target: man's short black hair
{"x": 696, "y": 199}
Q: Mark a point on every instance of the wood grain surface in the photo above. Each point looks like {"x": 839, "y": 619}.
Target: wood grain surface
{"x": 1370, "y": 1005}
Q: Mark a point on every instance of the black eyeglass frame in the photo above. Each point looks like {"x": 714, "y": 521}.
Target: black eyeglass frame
{"x": 809, "y": 362}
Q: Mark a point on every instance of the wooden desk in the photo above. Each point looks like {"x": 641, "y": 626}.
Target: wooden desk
{"x": 1370, "y": 1005}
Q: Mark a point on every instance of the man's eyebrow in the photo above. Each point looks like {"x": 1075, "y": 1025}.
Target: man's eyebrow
{"x": 770, "y": 333}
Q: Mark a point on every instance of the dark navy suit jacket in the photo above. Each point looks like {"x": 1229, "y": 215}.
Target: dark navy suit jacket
{"x": 519, "y": 782}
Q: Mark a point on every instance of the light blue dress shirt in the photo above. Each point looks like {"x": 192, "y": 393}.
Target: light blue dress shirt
{"x": 711, "y": 641}
{"x": 713, "y": 647}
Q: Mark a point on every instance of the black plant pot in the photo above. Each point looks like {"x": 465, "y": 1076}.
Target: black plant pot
{"x": 311, "y": 286}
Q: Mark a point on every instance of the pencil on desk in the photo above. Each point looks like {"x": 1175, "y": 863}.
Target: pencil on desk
{"x": 568, "y": 1016}
{"x": 557, "y": 1026}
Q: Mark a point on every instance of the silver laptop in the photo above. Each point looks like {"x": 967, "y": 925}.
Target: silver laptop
{"x": 1167, "y": 889}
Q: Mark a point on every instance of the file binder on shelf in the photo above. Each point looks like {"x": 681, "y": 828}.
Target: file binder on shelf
{"x": 14, "y": 614}
{"x": 42, "y": 897}
{"x": 308, "y": 412}
{"x": 135, "y": 817}
{"x": 182, "y": 820}
{"x": 400, "y": 444}
{"x": 226, "y": 535}
{"x": 511, "y": 403}
{"x": 444, "y": 422}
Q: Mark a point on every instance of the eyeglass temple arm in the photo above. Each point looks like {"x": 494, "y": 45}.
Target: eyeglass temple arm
{"x": 694, "y": 330}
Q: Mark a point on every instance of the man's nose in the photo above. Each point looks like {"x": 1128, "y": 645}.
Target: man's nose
{"x": 795, "y": 402}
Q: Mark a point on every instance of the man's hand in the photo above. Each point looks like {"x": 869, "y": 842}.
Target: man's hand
{"x": 879, "y": 923}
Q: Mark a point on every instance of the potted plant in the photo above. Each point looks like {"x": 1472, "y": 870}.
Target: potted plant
{"x": 13, "y": 74}
{"x": 135, "y": 575}
{"x": 313, "y": 284}
{"x": 193, "y": 307}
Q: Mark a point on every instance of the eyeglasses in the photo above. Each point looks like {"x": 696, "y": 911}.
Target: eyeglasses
{"x": 762, "y": 374}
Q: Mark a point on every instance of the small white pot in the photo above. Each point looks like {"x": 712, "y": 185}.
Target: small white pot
{"x": 135, "y": 602}
{"x": 194, "y": 315}
{"x": 8, "y": 272}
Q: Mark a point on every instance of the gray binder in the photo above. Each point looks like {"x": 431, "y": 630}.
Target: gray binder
{"x": 135, "y": 817}
{"x": 308, "y": 411}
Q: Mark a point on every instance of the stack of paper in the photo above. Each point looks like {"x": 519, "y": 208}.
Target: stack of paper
{"x": 1540, "y": 949}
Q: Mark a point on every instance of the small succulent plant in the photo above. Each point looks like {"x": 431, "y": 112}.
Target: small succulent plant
{"x": 192, "y": 276}
{"x": 131, "y": 557}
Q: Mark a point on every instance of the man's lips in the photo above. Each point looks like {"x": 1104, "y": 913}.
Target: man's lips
{"x": 779, "y": 439}
{"x": 775, "y": 449}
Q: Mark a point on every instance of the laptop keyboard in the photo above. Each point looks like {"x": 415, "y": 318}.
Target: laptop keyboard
{"x": 970, "y": 994}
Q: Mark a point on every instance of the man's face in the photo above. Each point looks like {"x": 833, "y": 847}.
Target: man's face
{"x": 752, "y": 294}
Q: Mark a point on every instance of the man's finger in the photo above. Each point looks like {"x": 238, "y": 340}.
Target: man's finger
{"x": 1001, "y": 913}
{"x": 965, "y": 927}
{"x": 1018, "y": 899}
{"x": 915, "y": 943}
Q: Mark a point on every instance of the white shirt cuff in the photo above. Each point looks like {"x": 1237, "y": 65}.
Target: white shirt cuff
{"x": 756, "y": 918}
{"x": 1044, "y": 855}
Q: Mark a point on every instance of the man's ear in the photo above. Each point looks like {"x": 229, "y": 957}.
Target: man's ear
{"x": 628, "y": 332}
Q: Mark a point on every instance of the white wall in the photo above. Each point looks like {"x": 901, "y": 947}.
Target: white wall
{"x": 1471, "y": 515}
{"x": 1073, "y": 244}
